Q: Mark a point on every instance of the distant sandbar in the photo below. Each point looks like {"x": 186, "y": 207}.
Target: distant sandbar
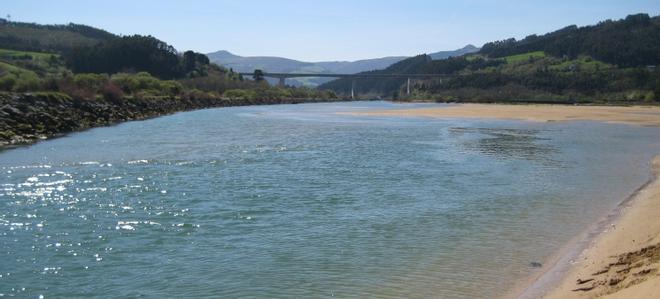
{"x": 635, "y": 115}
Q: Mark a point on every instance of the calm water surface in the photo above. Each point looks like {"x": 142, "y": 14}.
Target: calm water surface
{"x": 298, "y": 201}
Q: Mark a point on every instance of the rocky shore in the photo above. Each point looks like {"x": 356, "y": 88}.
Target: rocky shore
{"x": 29, "y": 117}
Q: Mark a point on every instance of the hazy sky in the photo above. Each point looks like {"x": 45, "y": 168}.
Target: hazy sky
{"x": 315, "y": 30}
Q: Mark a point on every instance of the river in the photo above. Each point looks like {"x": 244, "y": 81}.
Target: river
{"x": 301, "y": 201}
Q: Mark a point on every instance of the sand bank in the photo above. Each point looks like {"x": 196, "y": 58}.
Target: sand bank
{"x": 637, "y": 115}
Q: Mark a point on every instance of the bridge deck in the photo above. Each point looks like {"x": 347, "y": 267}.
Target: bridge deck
{"x": 298, "y": 75}
{"x": 283, "y": 76}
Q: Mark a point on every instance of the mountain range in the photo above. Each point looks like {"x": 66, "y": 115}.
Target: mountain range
{"x": 286, "y": 65}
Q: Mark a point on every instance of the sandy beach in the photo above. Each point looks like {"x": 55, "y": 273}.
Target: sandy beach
{"x": 623, "y": 259}
{"x": 635, "y": 115}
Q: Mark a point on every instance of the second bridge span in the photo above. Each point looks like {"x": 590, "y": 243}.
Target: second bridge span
{"x": 283, "y": 76}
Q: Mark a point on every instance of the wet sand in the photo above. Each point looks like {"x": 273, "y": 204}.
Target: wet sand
{"x": 623, "y": 259}
{"x": 636, "y": 115}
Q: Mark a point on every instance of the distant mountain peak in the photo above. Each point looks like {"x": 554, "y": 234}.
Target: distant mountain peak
{"x": 224, "y": 54}
{"x": 285, "y": 65}
{"x": 470, "y": 48}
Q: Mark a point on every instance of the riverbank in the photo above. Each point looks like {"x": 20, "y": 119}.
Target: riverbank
{"x": 29, "y": 117}
{"x": 636, "y": 115}
{"x": 623, "y": 259}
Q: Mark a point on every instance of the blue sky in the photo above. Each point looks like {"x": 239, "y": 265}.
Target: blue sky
{"x": 315, "y": 30}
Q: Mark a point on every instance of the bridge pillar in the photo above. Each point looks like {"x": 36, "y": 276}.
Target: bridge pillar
{"x": 353, "y": 89}
{"x": 408, "y": 87}
{"x": 282, "y": 82}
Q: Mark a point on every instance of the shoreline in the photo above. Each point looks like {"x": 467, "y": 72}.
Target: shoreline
{"x": 619, "y": 255}
{"x": 623, "y": 260}
{"x": 631, "y": 115}
{"x": 562, "y": 278}
{"x": 32, "y": 117}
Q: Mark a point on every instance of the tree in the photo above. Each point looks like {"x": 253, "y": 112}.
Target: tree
{"x": 128, "y": 53}
{"x": 188, "y": 61}
{"x": 193, "y": 63}
{"x": 258, "y": 75}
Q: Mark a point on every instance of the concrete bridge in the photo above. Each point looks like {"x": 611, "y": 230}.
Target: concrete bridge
{"x": 283, "y": 76}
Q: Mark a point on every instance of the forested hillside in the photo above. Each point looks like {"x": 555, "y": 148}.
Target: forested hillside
{"x": 136, "y": 53}
{"x": 49, "y": 38}
{"x": 633, "y": 41}
{"x": 86, "y": 62}
{"x": 613, "y": 61}
{"x": 382, "y": 85}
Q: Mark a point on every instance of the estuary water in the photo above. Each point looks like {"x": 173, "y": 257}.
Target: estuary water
{"x": 294, "y": 201}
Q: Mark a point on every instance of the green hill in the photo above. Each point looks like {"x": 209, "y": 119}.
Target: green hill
{"x": 610, "y": 61}
{"x": 91, "y": 64}
{"x": 23, "y": 71}
{"x": 633, "y": 41}
{"x": 48, "y": 38}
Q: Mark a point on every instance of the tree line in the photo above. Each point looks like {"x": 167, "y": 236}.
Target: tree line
{"x": 136, "y": 53}
{"x": 48, "y": 38}
{"x": 633, "y": 41}
{"x": 616, "y": 58}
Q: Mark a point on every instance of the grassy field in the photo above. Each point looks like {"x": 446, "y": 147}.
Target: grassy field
{"x": 532, "y": 62}
{"x": 41, "y": 64}
{"x": 523, "y": 57}
{"x": 471, "y": 57}
{"x": 45, "y": 38}
{"x": 20, "y": 70}
{"x": 8, "y": 68}
{"x": 14, "y": 54}
{"x": 584, "y": 63}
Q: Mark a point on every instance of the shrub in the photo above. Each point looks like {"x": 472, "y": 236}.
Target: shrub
{"x": 129, "y": 83}
{"x": 112, "y": 93}
{"x": 144, "y": 83}
{"x": 213, "y": 82}
{"x": 27, "y": 82}
{"x": 7, "y": 82}
{"x": 171, "y": 87}
{"x": 90, "y": 81}
{"x": 50, "y": 83}
{"x": 274, "y": 93}
{"x": 68, "y": 87}
{"x": 195, "y": 94}
{"x": 240, "y": 94}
